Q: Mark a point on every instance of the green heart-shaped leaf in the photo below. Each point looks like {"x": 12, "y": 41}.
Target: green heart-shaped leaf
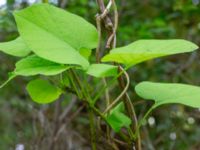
{"x": 164, "y": 93}
{"x": 143, "y": 50}
{"x": 41, "y": 91}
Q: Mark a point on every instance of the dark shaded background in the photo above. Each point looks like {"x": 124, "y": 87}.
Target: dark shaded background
{"x": 171, "y": 127}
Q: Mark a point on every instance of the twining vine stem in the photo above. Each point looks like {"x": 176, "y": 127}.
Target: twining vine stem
{"x": 111, "y": 43}
{"x": 117, "y": 100}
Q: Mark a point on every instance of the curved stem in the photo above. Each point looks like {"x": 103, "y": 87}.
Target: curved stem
{"x": 116, "y": 21}
{"x": 143, "y": 119}
{"x": 102, "y": 90}
{"x": 128, "y": 104}
{"x": 117, "y": 100}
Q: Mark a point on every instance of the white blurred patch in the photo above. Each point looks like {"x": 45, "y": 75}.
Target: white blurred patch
{"x": 54, "y": 1}
{"x": 195, "y": 2}
{"x": 172, "y": 136}
{"x": 190, "y": 120}
{"x": 179, "y": 114}
{"x": 19, "y": 147}
{"x": 31, "y": 1}
{"x": 151, "y": 121}
{"x": 2, "y": 2}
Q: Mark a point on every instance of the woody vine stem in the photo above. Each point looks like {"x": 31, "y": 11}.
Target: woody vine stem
{"x": 111, "y": 25}
{"x": 74, "y": 74}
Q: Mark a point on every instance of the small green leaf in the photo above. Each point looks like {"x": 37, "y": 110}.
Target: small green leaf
{"x": 34, "y": 65}
{"x": 16, "y": 47}
{"x": 163, "y": 93}
{"x": 143, "y": 50}
{"x": 86, "y": 53}
{"x": 117, "y": 119}
{"x": 41, "y": 91}
{"x": 102, "y": 70}
{"x": 55, "y": 34}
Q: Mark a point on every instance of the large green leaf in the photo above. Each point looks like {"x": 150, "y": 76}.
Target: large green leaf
{"x": 55, "y": 34}
{"x": 117, "y": 119}
{"x": 34, "y": 65}
{"x": 41, "y": 91}
{"x": 16, "y": 47}
{"x": 102, "y": 70}
{"x": 163, "y": 93}
{"x": 143, "y": 50}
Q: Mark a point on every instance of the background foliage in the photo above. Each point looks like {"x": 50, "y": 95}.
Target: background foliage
{"x": 171, "y": 127}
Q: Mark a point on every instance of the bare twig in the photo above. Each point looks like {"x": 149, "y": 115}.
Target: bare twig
{"x": 62, "y": 3}
{"x": 107, "y": 21}
{"x": 98, "y": 22}
{"x": 111, "y": 42}
{"x": 63, "y": 126}
{"x": 68, "y": 109}
{"x": 56, "y": 123}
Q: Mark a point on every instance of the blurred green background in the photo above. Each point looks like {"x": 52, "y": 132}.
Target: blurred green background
{"x": 23, "y": 124}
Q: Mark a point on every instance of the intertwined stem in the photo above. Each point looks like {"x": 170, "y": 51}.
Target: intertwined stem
{"x": 111, "y": 43}
{"x": 118, "y": 99}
